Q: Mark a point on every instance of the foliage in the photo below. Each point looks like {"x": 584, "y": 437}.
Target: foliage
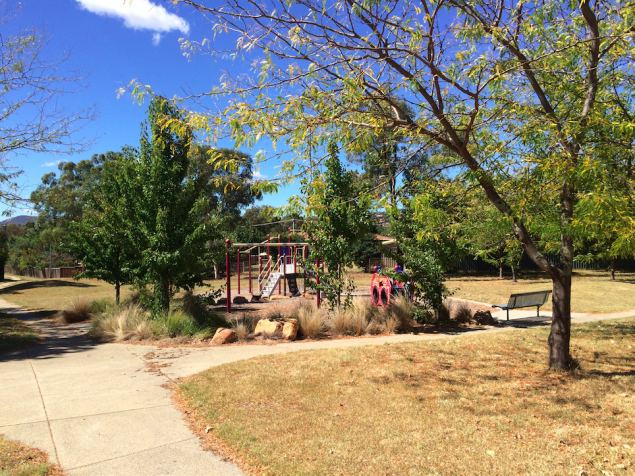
{"x": 341, "y": 219}
{"x": 166, "y": 210}
{"x": 33, "y": 118}
{"x": 101, "y": 238}
{"x": 365, "y": 248}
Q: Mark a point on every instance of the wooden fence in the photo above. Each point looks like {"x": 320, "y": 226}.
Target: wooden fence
{"x": 63, "y": 272}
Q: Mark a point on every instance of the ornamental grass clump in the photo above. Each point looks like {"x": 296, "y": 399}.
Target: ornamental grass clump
{"x": 312, "y": 321}
{"x": 79, "y": 310}
{"x": 122, "y": 323}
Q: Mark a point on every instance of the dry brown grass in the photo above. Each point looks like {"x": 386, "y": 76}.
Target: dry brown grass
{"x": 312, "y": 321}
{"x": 79, "y": 310}
{"x": 122, "y": 324}
{"x": 354, "y": 320}
{"x": 243, "y": 326}
{"x": 474, "y": 405}
{"x": 591, "y": 290}
{"x": 17, "y": 459}
{"x": 461, "y": 313}
{"x": 49, "y": 297}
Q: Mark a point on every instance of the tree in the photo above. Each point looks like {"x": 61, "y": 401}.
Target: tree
{"x": 166, "y": 209}
{"x": 4, "y": 253}
{"x": 31, "y": 118}
{"x": 480, "y": 77}
{"x": 101, "y": 239}
{"x": 341, "y": 220}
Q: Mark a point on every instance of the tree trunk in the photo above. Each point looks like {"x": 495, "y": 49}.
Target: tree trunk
{"x": 560, "y": 335}
{"x": 215, "y": 271}
{"x": 339, "y": 280}
{"x": 500, "y": 271}
{"x": 514, "y": 275}
{"x": 1, "y": 271}
{"x": 166, "y": 295}
{"x": 117, "y": 291}
{"x": 613, "y": 269}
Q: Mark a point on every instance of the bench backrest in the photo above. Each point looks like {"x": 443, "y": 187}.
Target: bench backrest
{"x": 535, "y": 298}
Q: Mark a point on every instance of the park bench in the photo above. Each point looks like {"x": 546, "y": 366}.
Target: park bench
{"x": 520, "y": 300}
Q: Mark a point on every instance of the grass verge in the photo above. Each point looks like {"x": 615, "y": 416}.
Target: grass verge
{"x": 15, "y": 335}
{"x": 17, "y": 459}
{"x": 474, "y": 405}
{"x": 591, "y": 291}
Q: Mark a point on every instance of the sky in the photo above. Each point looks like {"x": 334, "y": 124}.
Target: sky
{"x": 113, "y": 42}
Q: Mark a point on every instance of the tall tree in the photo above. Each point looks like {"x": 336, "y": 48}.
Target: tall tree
{"x": 514, "y": 73}
{"x": 341, "y": 219}
{"x": 101, "y": 238}
{"x": 166, "y": 209}
{"x": 31, "y": 114}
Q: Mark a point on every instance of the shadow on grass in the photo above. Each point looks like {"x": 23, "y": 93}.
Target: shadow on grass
{"x": 52, "y": 283}
{"x": 15, "y": 335}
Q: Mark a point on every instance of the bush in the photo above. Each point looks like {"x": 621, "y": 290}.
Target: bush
{"x": 400, "y": 315}
{"x": 243, "y": 326}
{"x": 312, "y": 321}
{"x": 462, "y": 313}
{"x": 122, "y": 323}
{"x": 175, "y": 324}
{"x": 78, "y": 311}
{"x": 354, "y": 320}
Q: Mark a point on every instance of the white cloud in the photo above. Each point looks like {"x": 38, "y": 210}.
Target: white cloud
{"x": 50, "y": 164}
{"x": 258, "y": 175}
{"x": 156, "y": 38}
{"x": 138, "y": 14}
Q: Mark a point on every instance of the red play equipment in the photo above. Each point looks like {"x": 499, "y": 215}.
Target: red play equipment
{"x": 382, "y": 288}
{"x": 271, "y": 273}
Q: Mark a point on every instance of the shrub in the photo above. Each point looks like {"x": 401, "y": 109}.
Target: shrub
{"x": 400, "y": 314}
{"x": 243, "y": 326}
{"x": 122, "y": 323}
{"x": 353, "y": 320}
{"x": 175, "y": 324}
{"x": 462, "y": 313}
{"x": 78, "y": 311}
{"x": 312, "y": 321}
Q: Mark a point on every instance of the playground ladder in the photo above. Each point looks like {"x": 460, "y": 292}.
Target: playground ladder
{"x": 270, "y": 285}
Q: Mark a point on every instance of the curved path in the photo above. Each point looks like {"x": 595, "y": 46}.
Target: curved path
{"x": 104, "y": 409}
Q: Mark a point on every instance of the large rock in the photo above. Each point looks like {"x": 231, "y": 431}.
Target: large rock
{"x": 484, "y": 318}
{"x": 224, "y": 336}
{"x": 255, "y": 298}
{"x": 240, "y": 300}
{"x": 267, "y": 328}
{"x": 276, "y": 297}
{"x": 290, "y": 329}
{"x": 221, "y": 301}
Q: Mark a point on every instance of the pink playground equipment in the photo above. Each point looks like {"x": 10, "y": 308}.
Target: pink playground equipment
{"x": 383, "y": 288}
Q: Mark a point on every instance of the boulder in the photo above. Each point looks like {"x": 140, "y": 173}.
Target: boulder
{"x": 221, "y": 301}
{"x": 267, "y": 327}
{"x": 240, "y": 300}
{"x": 224, "y": 336}
{"x": 276, "y": 297}
{"x": 255, "y": 298}
{"x": 484, "y": 318}
{"x": 290, "y": 329}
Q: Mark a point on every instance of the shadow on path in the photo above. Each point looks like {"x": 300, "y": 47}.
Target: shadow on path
{"x": 57, "y": 339}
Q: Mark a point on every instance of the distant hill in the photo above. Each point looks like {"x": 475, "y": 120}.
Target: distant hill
{"x": 19, "y": 220}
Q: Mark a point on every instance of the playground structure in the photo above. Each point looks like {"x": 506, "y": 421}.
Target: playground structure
{"x": 271, "y": 273}
{"x": 383, "y": 288}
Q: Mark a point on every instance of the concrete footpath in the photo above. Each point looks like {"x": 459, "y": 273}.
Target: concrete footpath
{"x": 103, "y": 409}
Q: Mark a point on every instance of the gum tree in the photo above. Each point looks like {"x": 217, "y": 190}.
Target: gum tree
{"x": 479, "y": 78}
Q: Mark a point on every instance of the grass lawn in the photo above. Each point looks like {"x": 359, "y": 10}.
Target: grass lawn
{"x": 592, "y": 291}
{"x": 17, "y": 459}
{"x": 14, "y": 334}
{"x": 48, "y": 296}
{"x": 473, "y": 405}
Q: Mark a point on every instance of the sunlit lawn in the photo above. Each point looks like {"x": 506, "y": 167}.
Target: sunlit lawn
{"x": 472, "y": 405}
{"x": 592, "y": 291}
{"x": 49, "y": 296}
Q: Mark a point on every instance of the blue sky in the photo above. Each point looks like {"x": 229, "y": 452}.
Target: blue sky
{"x": 114, "y": 42}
